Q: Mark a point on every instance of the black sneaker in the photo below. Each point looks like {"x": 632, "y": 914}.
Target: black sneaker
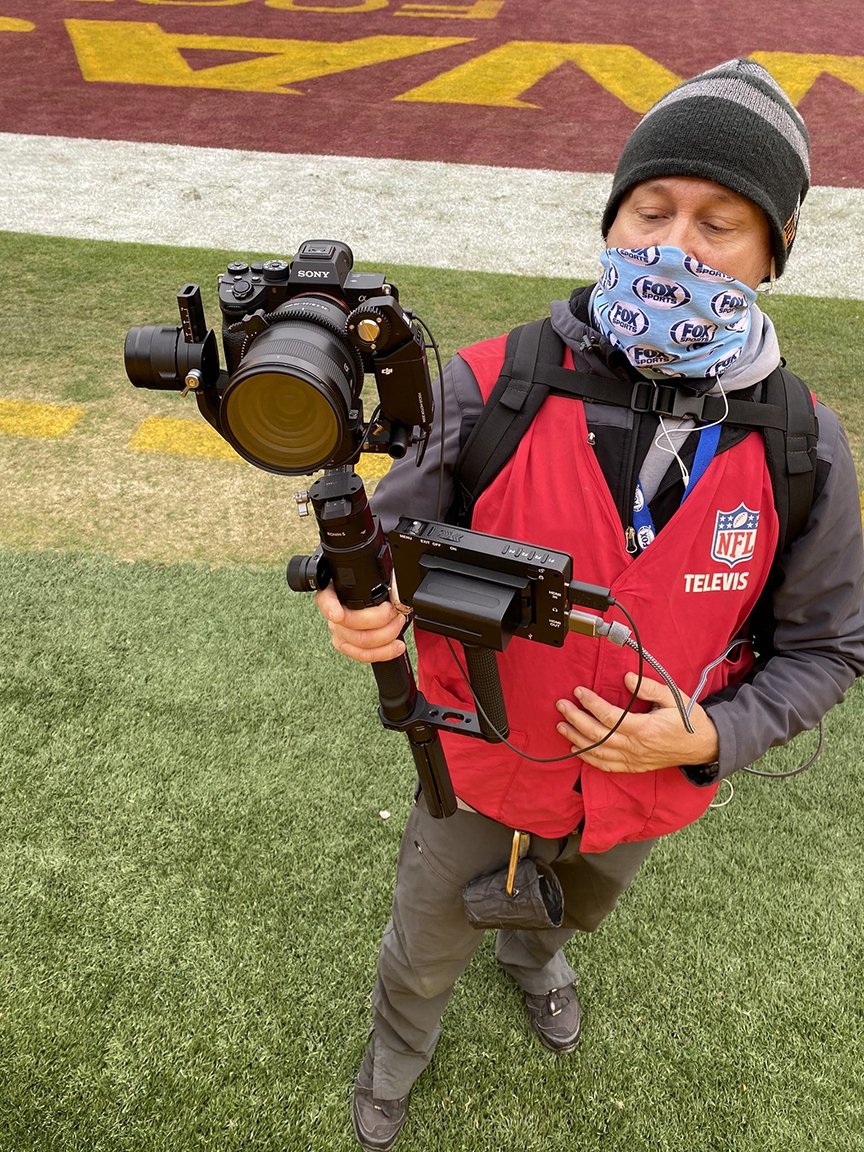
{"x": 556, "y": 1018}
{"x": 377, "y": 1123}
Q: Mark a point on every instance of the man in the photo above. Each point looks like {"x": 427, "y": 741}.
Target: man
{"x": 703, "y": 209}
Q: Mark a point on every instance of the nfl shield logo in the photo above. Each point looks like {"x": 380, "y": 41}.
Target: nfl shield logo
{"x": 735, "y": 536}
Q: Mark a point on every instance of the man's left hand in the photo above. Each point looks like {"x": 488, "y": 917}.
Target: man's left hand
{"x": 646, "y": 741}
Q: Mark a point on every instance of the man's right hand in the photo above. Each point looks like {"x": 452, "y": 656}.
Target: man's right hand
{"x": 365, "y": 634}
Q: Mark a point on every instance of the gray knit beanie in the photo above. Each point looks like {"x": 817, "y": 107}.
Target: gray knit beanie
{"x": 734, "y": 125}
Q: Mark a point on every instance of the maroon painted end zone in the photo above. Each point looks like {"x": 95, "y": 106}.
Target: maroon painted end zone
{"x": 577, "y": 126}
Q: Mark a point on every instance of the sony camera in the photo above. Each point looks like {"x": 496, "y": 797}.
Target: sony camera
{"x": 298, "y": 338}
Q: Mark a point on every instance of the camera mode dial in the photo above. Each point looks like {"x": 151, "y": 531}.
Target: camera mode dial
{"x": 276, "y": 271}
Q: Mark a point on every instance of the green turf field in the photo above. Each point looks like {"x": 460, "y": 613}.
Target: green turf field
{"x": 195, "y": 873}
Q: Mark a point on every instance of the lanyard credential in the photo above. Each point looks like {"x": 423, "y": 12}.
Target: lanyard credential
{"x": 643, "y": 524}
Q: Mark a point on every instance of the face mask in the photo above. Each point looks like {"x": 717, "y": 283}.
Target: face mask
{"x": 670, "y": 314}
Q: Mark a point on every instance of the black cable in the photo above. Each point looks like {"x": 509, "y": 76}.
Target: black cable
{"x": 369, "y": 426}
{"x": 433, "y": 344}
{"x": 794, "y": 771}
{"x": 640, "y": 652}
{"x": 588, "y": 747}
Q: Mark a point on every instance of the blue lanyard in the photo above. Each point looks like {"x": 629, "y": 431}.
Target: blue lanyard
{"x": 643, "y": 524}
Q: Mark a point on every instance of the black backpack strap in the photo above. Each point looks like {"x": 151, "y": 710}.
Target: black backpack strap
{"x": 791, "y": 458}
{"x": 791, "y": 452}
{"x": 662, "y": 398}
{"x": 532, "y": 371}
{"x": 512, "y": 405}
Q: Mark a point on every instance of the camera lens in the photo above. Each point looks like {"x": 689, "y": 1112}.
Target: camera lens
{"x": 281, "y": 422}
{"x": 289, "y": 405}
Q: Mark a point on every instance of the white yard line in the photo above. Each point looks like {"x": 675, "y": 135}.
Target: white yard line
{"x": 460, "y": 216}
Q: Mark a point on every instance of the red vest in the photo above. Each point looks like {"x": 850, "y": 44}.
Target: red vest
{"x": 689, "y": 592}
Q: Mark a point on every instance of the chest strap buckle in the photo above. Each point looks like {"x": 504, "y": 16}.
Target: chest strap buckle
{"x": 665, "y": 400}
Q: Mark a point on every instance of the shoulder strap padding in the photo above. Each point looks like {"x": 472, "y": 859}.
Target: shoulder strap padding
{"x": 512, "y": 405}
{"x": 791, "y": 453}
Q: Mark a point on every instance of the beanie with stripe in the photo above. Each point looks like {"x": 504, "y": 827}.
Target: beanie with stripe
{"x": 733, "y": 125}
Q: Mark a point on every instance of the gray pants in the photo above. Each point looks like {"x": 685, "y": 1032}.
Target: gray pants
{"x": 428, "y": 941}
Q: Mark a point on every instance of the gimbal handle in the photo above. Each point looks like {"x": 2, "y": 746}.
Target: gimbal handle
{"x": 355, "y": 557}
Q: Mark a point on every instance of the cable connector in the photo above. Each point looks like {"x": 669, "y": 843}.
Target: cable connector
{"x": 588, "y": 625}
{"x": 590, "y": 595}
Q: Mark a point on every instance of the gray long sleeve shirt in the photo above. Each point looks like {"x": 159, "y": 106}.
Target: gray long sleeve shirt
{"x": 817, "y": 604}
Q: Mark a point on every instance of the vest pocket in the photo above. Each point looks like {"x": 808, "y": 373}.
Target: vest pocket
{"x": 623, "y": 807}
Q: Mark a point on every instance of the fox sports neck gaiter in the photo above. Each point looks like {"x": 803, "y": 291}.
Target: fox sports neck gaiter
{"x": 671, "y": 314}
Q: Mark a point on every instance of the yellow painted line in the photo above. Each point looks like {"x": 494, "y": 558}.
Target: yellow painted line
{"x": 10, "y": 24}
{"x": 197, "y": 438}
{"x": 30, "y": 418}
{"x": 181, "y": 438}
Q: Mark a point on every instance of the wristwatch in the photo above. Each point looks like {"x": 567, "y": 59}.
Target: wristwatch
{"x": 701, "y": 773}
